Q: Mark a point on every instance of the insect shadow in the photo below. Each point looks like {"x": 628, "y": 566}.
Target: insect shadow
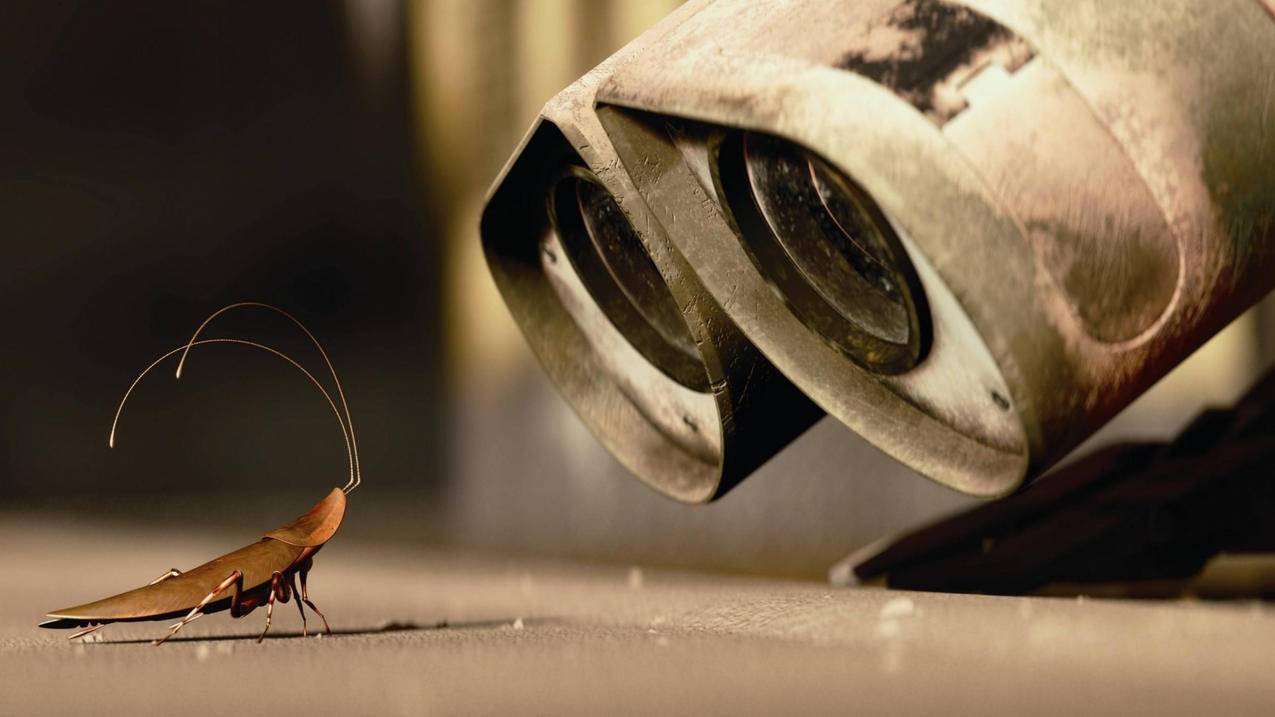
{"x": 390, "y": 627}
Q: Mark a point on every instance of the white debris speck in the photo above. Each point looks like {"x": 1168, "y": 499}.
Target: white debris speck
{"x": 635, "y": 578}
{"x": 202, "y": 652}
{"x": 897, "y": 608}
{"x": 518, "y": 624}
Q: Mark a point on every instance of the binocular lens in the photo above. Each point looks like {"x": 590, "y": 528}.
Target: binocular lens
{"x": 827, "y": 249}
{"x": 613, "y": 264}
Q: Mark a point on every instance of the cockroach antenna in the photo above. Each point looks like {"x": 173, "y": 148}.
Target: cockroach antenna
{"x": 348, "y": 423}
{"x": 345, "y": 433}
{"x": 256, "y": 575}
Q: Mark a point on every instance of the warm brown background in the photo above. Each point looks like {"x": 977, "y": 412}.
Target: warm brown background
{"x": 159, "y": 159}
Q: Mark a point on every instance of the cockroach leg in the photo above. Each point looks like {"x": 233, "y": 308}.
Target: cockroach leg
{"x": 170, "y": 627}
{"x": 285, "y": 592}
{"x": 305, "y": 596}
{"x": 276, "y": 580}
{"x": 292, "y": 585}
{"x": 85, "y": 631}
{"x": 232, "y": 579}
{"x": 172, "y": 573}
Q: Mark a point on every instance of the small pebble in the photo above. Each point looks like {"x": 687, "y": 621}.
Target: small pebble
{"x": 518, "y": 624}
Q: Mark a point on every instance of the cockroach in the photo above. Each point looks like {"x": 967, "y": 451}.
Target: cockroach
{"x": 258, "y": 574}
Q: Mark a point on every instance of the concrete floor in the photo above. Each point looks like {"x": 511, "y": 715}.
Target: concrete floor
{"x": 431, "y": 631}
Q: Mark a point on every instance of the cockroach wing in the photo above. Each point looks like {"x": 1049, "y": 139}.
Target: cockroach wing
{"x": 278, "y": 550}
{"x": 175, "y": 596}
{"x": 315, "y": 527}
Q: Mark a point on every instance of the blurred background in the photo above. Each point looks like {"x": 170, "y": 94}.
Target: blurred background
{"x": 159, "y": 160}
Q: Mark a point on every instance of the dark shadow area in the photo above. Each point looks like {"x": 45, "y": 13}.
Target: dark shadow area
{"x": 1191, "y": 517}
{"x": 164, "y": 159}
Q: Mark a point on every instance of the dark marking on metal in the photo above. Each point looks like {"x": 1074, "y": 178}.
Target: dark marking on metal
{"x": 1001, "y": 402}
{"x": 925, "y": 50}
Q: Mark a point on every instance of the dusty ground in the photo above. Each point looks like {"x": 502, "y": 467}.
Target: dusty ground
{"x": 420, "y": 631}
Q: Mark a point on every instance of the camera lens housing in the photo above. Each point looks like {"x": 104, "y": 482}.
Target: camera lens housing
{"x": 637, "y": 347}
{"x": 971, "y": 231}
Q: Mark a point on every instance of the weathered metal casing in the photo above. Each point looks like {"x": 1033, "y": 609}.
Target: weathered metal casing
{"x": 690, "y": 420}
{"x": 1085, "y": 191}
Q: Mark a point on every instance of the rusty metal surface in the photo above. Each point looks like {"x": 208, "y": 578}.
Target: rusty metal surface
{"x": 1086, "y": 191}
{"x": 1092, "y": 210}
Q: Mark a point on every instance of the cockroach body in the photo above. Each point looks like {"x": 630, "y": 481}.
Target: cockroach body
{"x": 240, "y": 581}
